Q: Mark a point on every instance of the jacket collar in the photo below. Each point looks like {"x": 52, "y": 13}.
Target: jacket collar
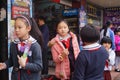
{"x": 17, "y": 41}
{"x": 57, "y": 38}
{"x": 93, "y": 46}
{"x": 64, "y": 38}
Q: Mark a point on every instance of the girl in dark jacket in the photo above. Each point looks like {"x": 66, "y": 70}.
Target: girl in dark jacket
{"x": 25, "y": 51}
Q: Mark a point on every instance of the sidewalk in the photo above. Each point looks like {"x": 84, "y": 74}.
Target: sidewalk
{"x": 115, "y": 75}
{"x": 51, "y": 70}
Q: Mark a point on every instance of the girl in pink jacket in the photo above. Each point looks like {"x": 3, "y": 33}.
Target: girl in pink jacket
{"x": 117, "y": 50}
{"x": 64, "y": 51}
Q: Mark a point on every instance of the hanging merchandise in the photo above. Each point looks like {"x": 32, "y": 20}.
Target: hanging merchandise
{"x": 2, "y": 14}
{"x": 82, "y": 17}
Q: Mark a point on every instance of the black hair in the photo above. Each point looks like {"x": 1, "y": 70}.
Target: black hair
{"x": 42, "y": 18}
{"x": 35, "y": 32}
{"x": 107, "y": 24}
{"x": 58, "y": 21}
{"x": 89, "y": 34}
{"x": 117, "y": 30}
{"x": 106, "y": 39}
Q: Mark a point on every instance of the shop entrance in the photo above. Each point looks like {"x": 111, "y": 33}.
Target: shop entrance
{"x": 3, "y": 38}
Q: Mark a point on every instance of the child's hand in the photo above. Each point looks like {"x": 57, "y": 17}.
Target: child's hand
{"x": 107, "y": 49}
{"x": 61, "y": 75}
{"x": 65, "y": 53}
{"x": 21, "y": 61}
{"x": 2, "y": 66}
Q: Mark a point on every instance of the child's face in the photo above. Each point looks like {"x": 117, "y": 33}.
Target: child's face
{"x": 40, "y": 22}
{"x": 21, "y": 30}
{"x": 118, "y": 33}
{"x": 107, "y": 45}
{"x": 111, "y": 25}
{"x": 62, "y": 29}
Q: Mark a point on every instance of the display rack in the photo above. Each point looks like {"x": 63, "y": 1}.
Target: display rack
{"x": 94, "y": 15}
{"x": 73, "y": 24}
{"x": 71, "y": 16}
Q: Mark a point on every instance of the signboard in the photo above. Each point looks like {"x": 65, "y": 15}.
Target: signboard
{"x": 16, "y": 11}
{"x": 70, "y": 12}
{"x": 57, "y": 1}
{"x": 20, "y": 7}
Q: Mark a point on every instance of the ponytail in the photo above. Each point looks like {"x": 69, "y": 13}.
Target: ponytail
{"x": 36, "y": 33}
{"x": 105, "y": 31}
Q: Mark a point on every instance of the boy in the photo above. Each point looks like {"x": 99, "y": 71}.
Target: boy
{"x": 90, "y": 62}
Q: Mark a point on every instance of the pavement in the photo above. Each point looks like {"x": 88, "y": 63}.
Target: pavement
{"x": 115, "y": 75}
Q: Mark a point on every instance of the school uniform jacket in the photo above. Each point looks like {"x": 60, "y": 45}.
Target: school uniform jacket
{"x": 63, "y": 65}
{"x": 90, "y": 63}
{"x": 111, "y": 60}
{"x": 33, "y": 66}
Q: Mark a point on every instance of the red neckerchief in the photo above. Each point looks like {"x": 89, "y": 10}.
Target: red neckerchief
{"x": 66, "y": 42}
{"x": 106, "y": 63}
{"x": 21, "y": 47}
{"x": 22, "y": 43}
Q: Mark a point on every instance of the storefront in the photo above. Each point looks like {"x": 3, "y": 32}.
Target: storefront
{"x": 54, "y": 9}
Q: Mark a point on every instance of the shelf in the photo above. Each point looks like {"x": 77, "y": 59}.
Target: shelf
{"x": 92, "y": 15}
{"x": 71, "y": 27}
{"x": 71, "y": 19}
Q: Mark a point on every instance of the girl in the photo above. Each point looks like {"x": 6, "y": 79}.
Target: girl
{"x": 117, "y": 51}
{"x": 64, "y": 51}
{"x": 106, "y": 31}
{"x": 107, "y": 43}
{"x": 25, "y": 51}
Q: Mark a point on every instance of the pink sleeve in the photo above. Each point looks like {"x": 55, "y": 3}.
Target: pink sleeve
{"x": 55, "y": 55}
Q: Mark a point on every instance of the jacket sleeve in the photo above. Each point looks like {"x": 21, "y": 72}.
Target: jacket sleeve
{"x": 112, "y": 58}
{"x": 112, "y": 36}
{"x": 80, "y": 65}
{"x": 56, "y": 55}
{"x": 36, "y": 64}
{"x": 9, "y": 62}
{"x": 45, "y": 34}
